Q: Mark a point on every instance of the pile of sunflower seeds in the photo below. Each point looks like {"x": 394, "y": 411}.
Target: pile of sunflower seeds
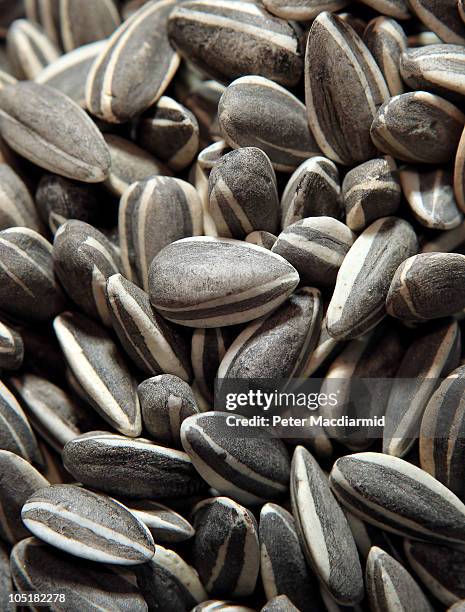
{"x": 211, "y": 190}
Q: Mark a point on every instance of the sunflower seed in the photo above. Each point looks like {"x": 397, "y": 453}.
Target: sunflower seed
{"x": 366, "y": 536}
{"x": 248, "y": 474}
{"x": 26, "y": 274}
{"x": 340, "y": 112}
{"x": 208, "y": 349}
{"x": 302, "y": 10}
{"x": 248, "y": 112}
{"x": 387, "y": 42}
{"x": 283, "y": 567}
{"x": 100, "y": 369}
{"x": 323, "y": 530}
{"x": 18, "y": 481}
{"x": 164, "y": 524}
{"x": 29, "y": 50}
{"x": 16, "y": 205}
{"x": 418, "y": 127}
{"x": 459, "y": 174}
{"x": 389, "y": 584}
{"x": 358, "y": 302}
{"x": 281, "y": 603}
{"x": 243, "y": 26}
{"x": 203, "y": 101}
{"x": 11, "y": 348}
{"x": 130, "y": 468}
{"x": 442, "y": 18}
{"x": 86, "y": 22}
{"x": 154, "y": 213}
{"x": 261, "y": 238}
{"x": 47, "y": 14}
{"x": 135, "y": 67}
{"x": 397, "y": 496}
{"x": 398, "y": 9}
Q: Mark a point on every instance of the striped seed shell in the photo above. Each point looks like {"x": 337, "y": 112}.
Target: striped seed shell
{"x": 433, "y": 353}
{"x": 47, "y": 14}
{"x": 442, "y": 18}
{"x": 459, "y": 173}
{"x": 29, "y": 288}
{"x": 256, "y": 112}
{"x": 283, "y": 567}
{"x": 390, "y": 586}
{"x": 102, "y": 529}
{"x": 313, "y": 190}
{"x": 135, "y": 67}
{"x": 101, "y": 371}
{"x": 358, "y": 301}
{"x": 16, "y": 205}
{"x": 206, "y": 31}
{"x": 418, "y": 127}
{"x": 131, "y": 468}
{"x": 165, "y": 525}
{"x": 323, "y": 530}
{"x": 249, "y": 466}
{"x": 153, "y": 344}
{"x": 316, "y": 247}
{"x": 50, "y": 130}
{"x": 154, "y": 213}
{"x": 398, "y": 9}
{"x": 170, "y": 132}
{"x": 84, "y": 259}
{"x": 39, "y": 568}
{"x": 208, "y": 348}
{"x": 18, "y": 481}
{"x": 225, "y": 549}
{"x": 203, "y": 101}
{"x": 397, "y": 496}
{"x": 261, "y": 238}
{"x": 11, "y": 348}
{"x": 243, "y": 194}
{"x": 87, "y": 21}
{"x": 29, "y": 50}
{"x": 386, "y": 40}
{"x": 370, "y": 191}
{"x": 302, "y": 10}
{"x": 440, "y": 569}
{"x": 420, "y": 284}
{"x": 281, "y": 603}
{"x": 343, "y": 89}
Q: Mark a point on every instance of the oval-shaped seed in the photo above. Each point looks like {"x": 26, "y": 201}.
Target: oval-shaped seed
{"x": 11, "y": 348}
{"x": 323, "y": 530}
{"x": 417, "y": 289}
{"x": 99, "y": 367}
{"x": 205, "y": 32}
{"x": 88, "y": 525}
{"x": 153, "y": 344}
{"x": 418, "y": 127}
{"x": 248, "y": 113}
{"x": 16, "y": 205}
{"x": 135, "y": 67}
{"x": 131, "y": 468}
{"x": 261, "y": 238}
{"x": 343, "y": 89}
{"x": 170, "y": 132}
{"x": 386, "y": 41}
{"x": 358, "y": 301}
{"x": 283, "y": 567}
{"x": 316, "y": 247}
{"x": 398, "y": 9}
{"x": 313, "y": 190}
{"x": 164, "y": 524}
{"x": 370, "y": 191}
{"x": 302, "y": 10}
{"x": 442, "y": 18}
{"x": 29, "y": 288}
{"x": 86, "y": 22}
{"x": 47, "y": 14}
{"x": 390, "y": 586}
{"x": 152, "y": 214}
{"x": 84, "y": 259}
{"x": 250, "y": 466}
{"x": 244, "y": 282}
{"x": 208, "y": 349}
{"x": 18, "y": 481}
{"x": 29, "y": 50}
{"x": 397, "y": 496}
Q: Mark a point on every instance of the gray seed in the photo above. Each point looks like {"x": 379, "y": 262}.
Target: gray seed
{"x": 205, "y": 32}
{"x": 387, "y": 42}
{"x": 47, "y": 14}
{"x": 16, "y": 205}
{"x": 250, "y": 466}
{"x": 418, "y": 127}
{"x": 18, "y": 481}
{"x": 390, "y": 586}
{"x": 243, "y": 194}
{"x": 244, "y": 282}
{"x": 134, "y": 468}
{"x": 99, "y": 367}
{"x": 459, "y": 173}
{"x": 170, "y": 132}
{"x": 203, "y": 102}
{"x": 164, "y": 524}
{"x": 324, "y": 534}
{"x": 29, "y": 288}
{"x": 135, "y": 67}
{"x": 29, "y": 50}
{"x": 358, "y": 301}
{"x": 208, "y": 349}
{"x": 87, "y": 525}
{"x": 397, "y": 496}
{"x": 50, "y": 130}
{"x": 86, "y": 21}
{"x": 281, "y": 603}
{"x": 11, "y": 348}
{"x": 152, "y": 214}
{"x": 6, "y": 585}
{"x": 153, "y": 344}
{"x": 398, "y": 9}
{"x": 84, "y": 259}
{"x": 256, "y": 112}
{"x": 302, "y": 10}
{"x": 225, "y": 550}
{"x": 442, "y": 18}
{"x": 261, "y": 238}
{"x": 312, "y": 191}
{"x": 283, "y": 567}
{"x": 343, "y": 89}
{"x": 371, "y": 191}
